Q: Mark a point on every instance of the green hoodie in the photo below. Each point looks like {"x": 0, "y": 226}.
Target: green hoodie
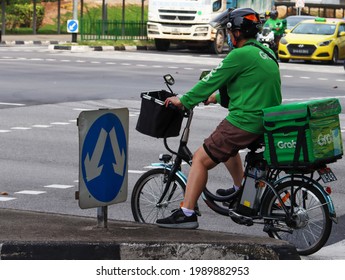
{"x": 253, "y": 83}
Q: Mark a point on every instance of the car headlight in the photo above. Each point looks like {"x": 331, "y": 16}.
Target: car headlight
{"x": 283, "y": 41}
{"x": 325, "y": 43}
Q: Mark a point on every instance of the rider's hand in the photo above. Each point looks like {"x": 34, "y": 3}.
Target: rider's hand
{"x": 211, "y": 99}
{"x": 173, "y": 100}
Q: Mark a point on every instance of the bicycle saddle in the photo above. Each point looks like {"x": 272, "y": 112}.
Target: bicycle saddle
{"x": 257, "y": 144}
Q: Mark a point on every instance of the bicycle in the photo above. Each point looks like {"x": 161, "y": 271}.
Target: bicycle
{"x": 289, "y": 202}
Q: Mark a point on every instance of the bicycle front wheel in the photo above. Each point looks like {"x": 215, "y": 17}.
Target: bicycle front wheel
{"x": 309, "y": 226}
{"x": 148, "y": 191}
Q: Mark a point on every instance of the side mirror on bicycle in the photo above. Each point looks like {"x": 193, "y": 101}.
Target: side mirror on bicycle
{"x": 169, "y": 79}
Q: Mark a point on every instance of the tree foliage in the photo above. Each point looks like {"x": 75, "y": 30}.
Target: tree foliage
{"x": 21, "y": 15}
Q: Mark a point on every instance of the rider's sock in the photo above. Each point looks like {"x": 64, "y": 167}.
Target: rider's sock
{"x": 187, "y": 212}
{"x": 236, "y": 187}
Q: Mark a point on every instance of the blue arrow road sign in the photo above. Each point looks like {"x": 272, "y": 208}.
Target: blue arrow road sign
{"x": 104, "y": 158}
{"x": 72, "y": 26}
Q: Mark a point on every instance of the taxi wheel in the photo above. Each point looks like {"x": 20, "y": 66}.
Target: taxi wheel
{"x": 335, "y": 56}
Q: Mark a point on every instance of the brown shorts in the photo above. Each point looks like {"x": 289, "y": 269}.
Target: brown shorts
{"x": 226, "y": 141}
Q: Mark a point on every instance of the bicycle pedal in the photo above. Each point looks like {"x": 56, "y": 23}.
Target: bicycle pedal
{"x": 270, "y": 228}
{"x": 240, "y": 219}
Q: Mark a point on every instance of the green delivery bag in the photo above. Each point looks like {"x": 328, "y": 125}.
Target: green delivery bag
{"x": 303, "y": 133}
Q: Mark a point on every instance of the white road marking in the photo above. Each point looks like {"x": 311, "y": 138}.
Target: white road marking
{"x": 41, "y": 125}
{"x": 82, "y": 109}
{"x": 30, "y": 192}
{"x": 57, "y": 186}
{"x": 136, "y": 171}
{"x": 6, "y": 198}
{"x": 11, "y": 104}
{"x": 59, "y": 123}
{"x": 20, "y": 128}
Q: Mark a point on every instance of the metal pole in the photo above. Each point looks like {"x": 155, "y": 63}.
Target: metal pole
{"x": 102, "y": 216}
{"x": 123, "y": 16}
{"x": 34, "y": 19}
{"x": 75, "y": 17}
{"x": 59, "y": 17}
{"x": 142, "y": 18}
{"x": 3, "y": 15}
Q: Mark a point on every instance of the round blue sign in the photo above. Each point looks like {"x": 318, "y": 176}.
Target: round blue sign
{"x": 72, "y": 26}
{"x": 104, "y": 158}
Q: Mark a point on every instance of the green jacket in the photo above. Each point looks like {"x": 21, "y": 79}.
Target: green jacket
{"x": 278, "y": 26}
{"x": 253, "y": 83}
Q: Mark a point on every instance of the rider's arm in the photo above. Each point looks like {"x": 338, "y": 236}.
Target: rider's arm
{"x": 215, "y": 80}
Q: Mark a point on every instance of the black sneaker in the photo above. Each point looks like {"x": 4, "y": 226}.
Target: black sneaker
{"x": 225, "y": 192}
{"x": 179, "y": 220}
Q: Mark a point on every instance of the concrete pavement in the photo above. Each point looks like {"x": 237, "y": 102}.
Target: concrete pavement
{"x": 39, "y": 39}
{"x": 27, "y": 235}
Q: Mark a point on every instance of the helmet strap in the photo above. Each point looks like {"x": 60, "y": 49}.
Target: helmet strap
{"x": 236, "y": 38}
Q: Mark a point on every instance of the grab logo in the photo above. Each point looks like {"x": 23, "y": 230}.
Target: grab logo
{"x": 286, "y": 145}
{"x": 324, "y": 139}
{"x": 264, "y": 55}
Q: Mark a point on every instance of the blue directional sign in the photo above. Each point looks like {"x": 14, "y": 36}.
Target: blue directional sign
{"x": 103, "y": 159}
{"x": 72, "y": 26}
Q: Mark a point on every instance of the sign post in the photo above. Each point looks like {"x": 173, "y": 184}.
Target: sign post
{"x": 103, "y": 159}
{"x": 73, "y": 25}
{"x": 299, "y": 5}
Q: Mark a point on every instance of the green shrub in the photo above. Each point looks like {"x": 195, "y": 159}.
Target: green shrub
{"x": 21, "y": 15}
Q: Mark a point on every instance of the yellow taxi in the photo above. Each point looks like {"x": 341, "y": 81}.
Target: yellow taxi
{"x": 317, "y": 39}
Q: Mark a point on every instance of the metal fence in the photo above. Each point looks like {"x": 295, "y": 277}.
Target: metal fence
{"x": 112, "y": 30}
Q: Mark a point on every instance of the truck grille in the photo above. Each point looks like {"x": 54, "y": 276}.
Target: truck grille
{"x": 301, "y": 49}
{"x": 177, "y": 15}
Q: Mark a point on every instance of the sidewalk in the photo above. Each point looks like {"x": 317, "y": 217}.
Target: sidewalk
{"x": 36, "y": 39}
{"x": 55, "y": 42}
{"x": 26, "y": 235}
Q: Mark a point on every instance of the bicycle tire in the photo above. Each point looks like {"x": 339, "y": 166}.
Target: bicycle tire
{"x": 147, "y": 192}
{"x": 312, "y": 225}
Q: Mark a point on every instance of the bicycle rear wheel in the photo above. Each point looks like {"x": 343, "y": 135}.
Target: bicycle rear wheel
{"x": 148, "y": 191}
{"x": 310, "y": 226}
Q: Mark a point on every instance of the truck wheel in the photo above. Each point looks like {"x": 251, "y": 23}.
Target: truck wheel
{"x": 162, "y": 45}
{"x": 217, "y": 45}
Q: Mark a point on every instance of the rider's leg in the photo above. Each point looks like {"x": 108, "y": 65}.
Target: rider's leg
{"x": 222, "y": 144}
{"x": 197, "y": 177}
{"x": 234, "y": 166}
{"x": 185, "y": 217}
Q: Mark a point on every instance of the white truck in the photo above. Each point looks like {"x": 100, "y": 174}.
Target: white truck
{"x": 194, "y": 23}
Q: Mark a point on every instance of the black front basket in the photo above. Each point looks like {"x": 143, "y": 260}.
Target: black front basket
{"x": 155, "y": 119}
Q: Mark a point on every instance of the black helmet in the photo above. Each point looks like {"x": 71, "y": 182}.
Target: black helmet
{"x": 246, "y": 20}
{"x": 274, "y": 14}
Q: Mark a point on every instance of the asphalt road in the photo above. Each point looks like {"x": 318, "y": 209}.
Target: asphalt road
{"x": 43, "y": 92}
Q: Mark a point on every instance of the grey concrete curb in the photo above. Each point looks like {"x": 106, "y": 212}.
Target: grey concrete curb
{"x": 60, "y": 45}
{"x": 38, "y": 42}
{"x": 100, "y": 48}
{"x": 65, "y": 250}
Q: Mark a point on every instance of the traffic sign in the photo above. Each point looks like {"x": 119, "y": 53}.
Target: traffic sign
{"x": 300, "y": 4}
{"x": 103, "y": 157}
{"x": 72, "y": 26}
